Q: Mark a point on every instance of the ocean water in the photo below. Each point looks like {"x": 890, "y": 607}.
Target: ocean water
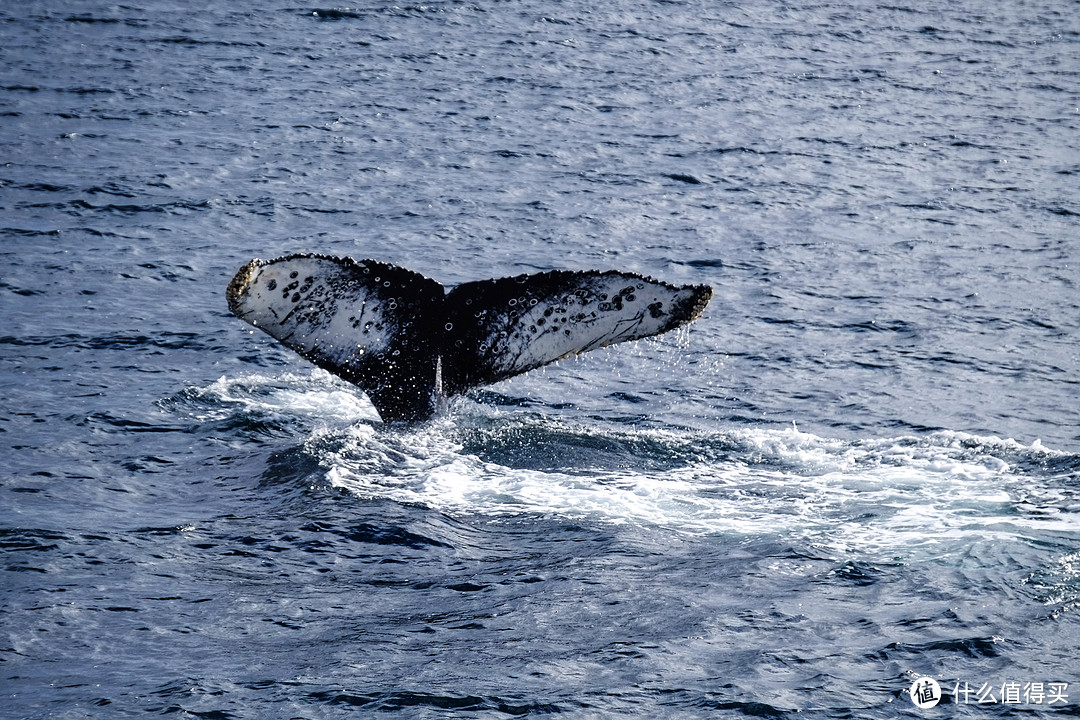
{"x": 860, "y": 467}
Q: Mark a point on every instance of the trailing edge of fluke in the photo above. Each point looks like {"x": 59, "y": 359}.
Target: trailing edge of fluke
{"x": 406, "y": 341}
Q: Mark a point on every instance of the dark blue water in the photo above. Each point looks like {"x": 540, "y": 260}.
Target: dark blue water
{"x": 860, "y": 467}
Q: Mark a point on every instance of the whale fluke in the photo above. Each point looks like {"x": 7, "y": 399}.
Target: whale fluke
{"x": 405, "y": 341}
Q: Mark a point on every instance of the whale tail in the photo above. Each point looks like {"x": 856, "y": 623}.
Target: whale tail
{"x": 406, "y": 341}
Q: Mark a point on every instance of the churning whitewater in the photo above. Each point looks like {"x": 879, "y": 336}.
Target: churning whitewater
{"x": 925, "y": 495}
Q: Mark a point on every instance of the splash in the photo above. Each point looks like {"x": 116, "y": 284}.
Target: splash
{"x": 316, "y": 396}
{"x": 902, "y": 494}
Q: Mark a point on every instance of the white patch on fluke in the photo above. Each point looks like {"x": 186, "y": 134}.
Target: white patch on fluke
{"x": 311, "y": 304}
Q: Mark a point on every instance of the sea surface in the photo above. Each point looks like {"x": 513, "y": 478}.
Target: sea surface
{"x": 858, "y": 470}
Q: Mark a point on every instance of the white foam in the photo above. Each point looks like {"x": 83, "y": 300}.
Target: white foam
{"x": 887, "y": 493}
{"x": 316, "y": 394}
{"x": 904, "y": 492}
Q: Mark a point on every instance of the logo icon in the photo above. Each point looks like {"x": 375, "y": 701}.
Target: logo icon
{"x": 925, "y": 693}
